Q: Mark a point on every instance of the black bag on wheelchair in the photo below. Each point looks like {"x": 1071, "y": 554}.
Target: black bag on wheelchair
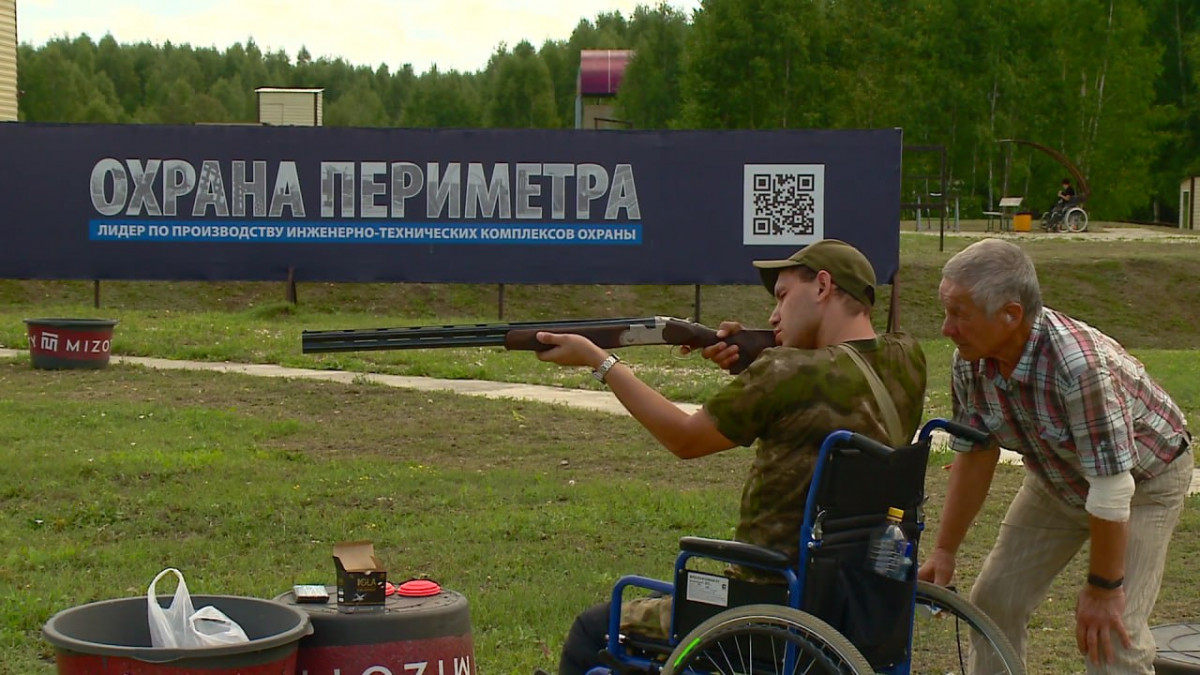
{"x": 873, "y": 611}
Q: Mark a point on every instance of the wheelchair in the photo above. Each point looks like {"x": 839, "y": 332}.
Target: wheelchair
{"x": 1066, "y": 217}
{"x": 828, "y": 613}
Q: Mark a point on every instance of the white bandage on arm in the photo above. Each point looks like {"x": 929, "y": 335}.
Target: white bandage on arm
{"x": 1109, "y": 496}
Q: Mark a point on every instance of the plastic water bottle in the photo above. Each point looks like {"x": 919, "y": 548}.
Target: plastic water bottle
{"x": 890, "y": 552}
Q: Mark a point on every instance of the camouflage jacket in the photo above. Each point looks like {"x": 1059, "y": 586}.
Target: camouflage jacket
{"x": 789, "y": 400}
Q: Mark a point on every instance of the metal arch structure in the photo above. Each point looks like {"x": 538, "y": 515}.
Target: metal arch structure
{"x": 1083, "y": 191}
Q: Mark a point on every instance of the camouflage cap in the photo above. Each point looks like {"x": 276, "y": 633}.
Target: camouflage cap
{"x": 850, "y": 269}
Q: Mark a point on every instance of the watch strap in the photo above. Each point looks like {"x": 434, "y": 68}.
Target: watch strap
{"x": 1107, "y": 584}
{"x": 601, "y": 371}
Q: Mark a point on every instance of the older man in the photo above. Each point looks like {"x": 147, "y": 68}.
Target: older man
{"x": 1106, "y": 453}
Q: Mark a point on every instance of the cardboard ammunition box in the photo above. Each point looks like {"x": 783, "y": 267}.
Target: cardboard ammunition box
{"x": 361, "y": 579}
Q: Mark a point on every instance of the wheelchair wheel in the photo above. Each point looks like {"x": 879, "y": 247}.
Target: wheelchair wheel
{"x": 949, "y": 633}
{"x": 1076, "y": 220}
{"x": 766, "y": 639}
{"x": 1053, "y": 221}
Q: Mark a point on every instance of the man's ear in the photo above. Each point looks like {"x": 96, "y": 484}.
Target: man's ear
{"x": 1013, "y": 313}
{"x": 824, "y": 283}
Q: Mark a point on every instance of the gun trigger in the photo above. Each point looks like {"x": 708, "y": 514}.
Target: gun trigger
{"x": 677, "y": 352}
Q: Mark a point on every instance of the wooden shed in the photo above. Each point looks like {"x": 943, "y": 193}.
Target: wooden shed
{"x": 8, "y": 60}
{"x": 282, "y": 106}
{"x": 1189, "y": 203}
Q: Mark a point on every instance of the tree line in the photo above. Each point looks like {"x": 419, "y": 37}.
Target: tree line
{"x": 1111, "y": 84}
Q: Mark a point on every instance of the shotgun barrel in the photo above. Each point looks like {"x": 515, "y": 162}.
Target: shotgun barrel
{"x": 606, "y": 333}
{"x": 455, "y": 335}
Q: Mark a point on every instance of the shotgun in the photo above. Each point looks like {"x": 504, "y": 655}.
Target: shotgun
{"x": 606, "y": 333}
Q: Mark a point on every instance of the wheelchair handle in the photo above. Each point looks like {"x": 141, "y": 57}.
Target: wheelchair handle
{"x": 970, "y": 433}
{"x": 955, "y": 429}
{"x": 863, "y": 444}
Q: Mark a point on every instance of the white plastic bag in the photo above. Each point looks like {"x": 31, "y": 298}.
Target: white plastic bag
{"x": 180, "y": 625}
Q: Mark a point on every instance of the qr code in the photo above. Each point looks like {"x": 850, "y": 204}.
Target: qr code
{"x": 784, "y": 203}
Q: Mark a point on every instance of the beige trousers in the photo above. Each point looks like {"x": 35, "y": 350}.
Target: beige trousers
{"x": 1039, "y": 536}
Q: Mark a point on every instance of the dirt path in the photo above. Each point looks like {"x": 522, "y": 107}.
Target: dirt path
{"x": 1098, "y": 231}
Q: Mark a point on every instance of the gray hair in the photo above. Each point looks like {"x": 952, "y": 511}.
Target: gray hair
{"x": 996, "y": 272}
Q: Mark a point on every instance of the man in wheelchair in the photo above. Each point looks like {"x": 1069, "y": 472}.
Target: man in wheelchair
{"x": 830, "y": 371}
{"x": 1066, "y": 198}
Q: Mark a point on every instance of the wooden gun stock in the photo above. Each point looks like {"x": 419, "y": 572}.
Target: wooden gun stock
{"x": 750, "y": 343}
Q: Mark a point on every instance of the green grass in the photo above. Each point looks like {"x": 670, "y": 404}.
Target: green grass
{"x": 246, "y": 484}
{"x": 531, "y": 511}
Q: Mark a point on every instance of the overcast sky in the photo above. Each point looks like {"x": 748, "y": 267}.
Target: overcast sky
{"x": 454, "y": 34}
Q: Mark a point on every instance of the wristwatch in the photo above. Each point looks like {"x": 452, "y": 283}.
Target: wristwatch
{"x": 1107, "y": 584}
{"x": 606, "y": 365}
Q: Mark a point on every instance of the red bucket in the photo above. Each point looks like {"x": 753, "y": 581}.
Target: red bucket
{"x": 70, "y": 343}
{"x": 112, "y": 637}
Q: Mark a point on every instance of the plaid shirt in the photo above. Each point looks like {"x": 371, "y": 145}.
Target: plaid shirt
{"x": 1077, "y": 404}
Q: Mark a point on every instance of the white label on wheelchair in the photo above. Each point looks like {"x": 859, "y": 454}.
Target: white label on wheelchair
{"x": 707, "y": 588}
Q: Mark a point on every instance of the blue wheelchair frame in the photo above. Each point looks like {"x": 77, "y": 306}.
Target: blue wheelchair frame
{"x": 748, "y": 555}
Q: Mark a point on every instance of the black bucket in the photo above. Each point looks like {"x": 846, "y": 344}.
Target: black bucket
{"x": 112, "y": 637}
{"x": 70, "y": 343}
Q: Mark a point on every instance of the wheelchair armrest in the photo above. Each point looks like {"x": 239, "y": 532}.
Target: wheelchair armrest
{"x": 614, "y": 638}
{"x": 734, "y": 551}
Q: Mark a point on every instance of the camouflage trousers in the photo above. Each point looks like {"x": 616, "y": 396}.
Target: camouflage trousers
{"x": 647, "y": 617}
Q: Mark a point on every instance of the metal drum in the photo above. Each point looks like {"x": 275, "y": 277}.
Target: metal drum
{"x": 421, "y": 628}
{"x": 70, "y": 343}
{"x": 1178, "y": 648}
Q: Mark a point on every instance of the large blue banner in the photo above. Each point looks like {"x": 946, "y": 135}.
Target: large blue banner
{"x": 435, "y": 205}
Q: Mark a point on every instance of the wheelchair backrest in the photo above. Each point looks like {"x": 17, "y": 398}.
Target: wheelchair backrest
{"x": 854, "y": 485}
{"x": 854, "y": 492}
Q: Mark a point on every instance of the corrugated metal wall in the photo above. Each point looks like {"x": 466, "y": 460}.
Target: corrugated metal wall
{"x": 8, "y": 60}
{"x": 290, "y": 108}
